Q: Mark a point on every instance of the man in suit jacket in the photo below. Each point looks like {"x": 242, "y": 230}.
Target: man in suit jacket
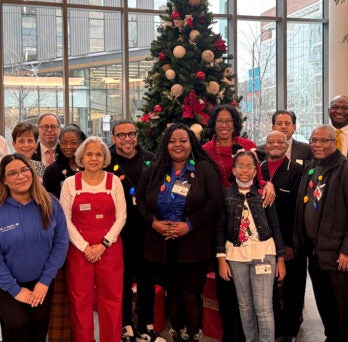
{"x": 338, "y": 113}
{"x": 286, "y": 176}
{"x": 285, "y": 122}
{"x": 49, "y": 130}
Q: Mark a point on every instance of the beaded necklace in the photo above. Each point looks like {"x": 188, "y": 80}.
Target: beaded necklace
{"x": 315, "y": 190}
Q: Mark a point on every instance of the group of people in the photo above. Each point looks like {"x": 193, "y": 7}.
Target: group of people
{"x": 254, "y": 214}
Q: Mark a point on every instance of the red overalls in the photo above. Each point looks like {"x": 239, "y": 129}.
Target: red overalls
{"x": 93, "y": 216}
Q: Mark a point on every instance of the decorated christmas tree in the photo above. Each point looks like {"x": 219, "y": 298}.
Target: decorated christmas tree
{"x": 191, "y": 73}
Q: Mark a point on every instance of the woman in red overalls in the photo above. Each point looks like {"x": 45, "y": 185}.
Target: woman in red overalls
{"x": 95, "y": 208}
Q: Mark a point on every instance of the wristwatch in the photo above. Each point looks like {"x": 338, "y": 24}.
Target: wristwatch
{"x": 106, "y": 243}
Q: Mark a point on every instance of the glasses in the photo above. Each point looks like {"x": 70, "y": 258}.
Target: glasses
{"x": 47, "y": 127}
{"x": 226, "y": 122}
{"x": 123, "y": 136}
{"x": 245, "y": 167}
{"x": 336, "y": 108}
{"x": 273, "y": 142}
{"x": 14, "y": 173}
{"x": 320, "y": 141}
{"x": 71, "y": 143}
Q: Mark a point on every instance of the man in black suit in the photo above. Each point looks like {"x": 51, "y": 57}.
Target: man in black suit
{"x": 286, "y": 176}
{"x": 49, "y": 130}
{"x": 285, "y": 122}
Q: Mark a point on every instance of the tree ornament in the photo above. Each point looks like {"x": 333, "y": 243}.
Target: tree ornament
{"x": 193, "y": 35}
{"x": 179, "y": 23}
{"x": 213, "y": 87}
{"x": 170, "y": 74}
{"x": 175, "y": 15}
{"x": 176, "y": 90}
{"x": 194, "y": 2}
{"x": 228, "y": 72}
{"x": 162, "y": 56}
{"x": 158, "y": 108}
{"x": 188, "y": 20}
{"x": 200, "y": 75}
{"x": 166, "y": 67}
{"x": 207, "y": 56}
{"x": 179, "y": 51}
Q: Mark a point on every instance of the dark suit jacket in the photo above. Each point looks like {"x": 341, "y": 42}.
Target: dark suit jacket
{"x": 37, "y": 153}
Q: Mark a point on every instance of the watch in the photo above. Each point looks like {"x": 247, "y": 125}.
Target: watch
{"x": 106, "y": 243}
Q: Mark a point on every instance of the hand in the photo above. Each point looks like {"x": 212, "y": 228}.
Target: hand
{"x": 38, "y": 295}
{"x": 342, "y": 262}
{"x": 224, "y": 269}
{"x": 161, "y": 227}
{"x": 280, "y": 271}
{"x": 289, "y": 253}
{"x": 268, "y": 194}
{"x": 24, "y": 295}
{"x": 95, "y": 253}
{"x": 177, "y": 229}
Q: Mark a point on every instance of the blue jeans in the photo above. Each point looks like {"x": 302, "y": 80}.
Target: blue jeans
{"x": 254, "y": 292}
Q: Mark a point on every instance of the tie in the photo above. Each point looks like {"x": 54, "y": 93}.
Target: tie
{"x": 339, "y": 139}
{"x": 50, "y": 157}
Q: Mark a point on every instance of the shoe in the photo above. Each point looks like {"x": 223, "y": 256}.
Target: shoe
{"x": 149, "y": 335}
{"x": 128, "y": 334}
{"x": 289, "y": 339}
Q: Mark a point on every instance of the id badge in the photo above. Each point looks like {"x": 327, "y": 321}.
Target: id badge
{"x": 134, "y": 200}
{"x": 181, "y": 188}
{"x": 263, "y": 269}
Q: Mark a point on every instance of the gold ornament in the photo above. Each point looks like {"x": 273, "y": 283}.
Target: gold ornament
{"x": 176, "y": 90}
{"x": 194, "y": 2}
{"x": 166, "y": 67}
{"x": 170, "y": 74}
{"x": 213, "y": 87}
{"x": 179, "y": 51}
{"x": 208, "y": 56}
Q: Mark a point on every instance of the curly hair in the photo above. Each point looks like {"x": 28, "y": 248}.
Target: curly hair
{"x": 235, "y": 116}
{"x": 163, "y": 163}
{"x": 37, "y": 190}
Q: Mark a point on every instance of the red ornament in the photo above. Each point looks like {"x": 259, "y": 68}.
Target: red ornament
{"x": 175, "y": 15}
{"x": 311, "y": 184}
{"x": 158, "y": 108}
{"x": 177, "y": 173}
{"x": 162, "y": 56}
{"x": 234, "y": 103}
{"x": 200, "y": 75}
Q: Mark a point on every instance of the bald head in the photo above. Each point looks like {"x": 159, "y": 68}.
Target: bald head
{"x": 276, "y": 145}
{"x": 338, "y": 111}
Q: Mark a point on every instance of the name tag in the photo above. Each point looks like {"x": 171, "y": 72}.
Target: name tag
{"x": 99, "y": 216}
{"x": 299, "y": 161}
{"x": 181, "y": 188}
{"x": 85, "y": 207}
{"x": 263, "y": 269}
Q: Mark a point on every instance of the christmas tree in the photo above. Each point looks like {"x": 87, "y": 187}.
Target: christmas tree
{"x": 190, "y": 74}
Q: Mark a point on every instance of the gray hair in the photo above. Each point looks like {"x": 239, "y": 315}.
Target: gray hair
{"x": 328, "y": 128}
{"x": 93, "y": 139}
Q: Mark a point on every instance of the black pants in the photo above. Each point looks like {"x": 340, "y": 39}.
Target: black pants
{"x": 22, "y": 323}
{"x": 331, "y": 295}
{"x": 288, "y": 300}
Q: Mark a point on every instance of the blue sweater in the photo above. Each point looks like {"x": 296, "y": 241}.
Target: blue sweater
{"x": 28, "y": 251}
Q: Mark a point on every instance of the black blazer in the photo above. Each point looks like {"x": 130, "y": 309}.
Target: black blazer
{"x": 37, "y": 153}
{"x": 203, "y": 203}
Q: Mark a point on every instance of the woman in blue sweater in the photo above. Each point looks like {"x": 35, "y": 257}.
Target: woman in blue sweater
{"x": 33, "y": 246}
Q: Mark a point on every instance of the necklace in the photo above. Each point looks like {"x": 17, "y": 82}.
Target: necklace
{"x": 315, "y": 188}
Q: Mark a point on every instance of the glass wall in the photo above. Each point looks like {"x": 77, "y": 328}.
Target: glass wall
{"x": 76, "y": 64}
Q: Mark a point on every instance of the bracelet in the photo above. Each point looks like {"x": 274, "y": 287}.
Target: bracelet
{"x": 106, "y": 243}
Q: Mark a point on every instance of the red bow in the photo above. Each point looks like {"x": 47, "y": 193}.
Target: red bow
{"x": 192, "y": 108}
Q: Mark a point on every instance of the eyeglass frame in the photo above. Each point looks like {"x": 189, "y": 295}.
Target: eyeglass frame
{"x": 320, "y": 141}
{"x": 125, "y": 135}
{"x": 49, "y": 127}
{"x": 13, "y": 174}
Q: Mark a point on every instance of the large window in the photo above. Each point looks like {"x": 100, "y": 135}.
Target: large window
{"x": 87, "y": 63}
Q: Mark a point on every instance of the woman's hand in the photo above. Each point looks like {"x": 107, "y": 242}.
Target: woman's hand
{"x": 268, "y": 194}
{"x": 224, "y": 269}
{"x": 93, "y": 253}
{"x": 161, "y": 227}
{"x": 176, "y": 229}
{"x": 280, "y": 271}
{"x": 24, "y": 295}
{"x": 38, "y": 295}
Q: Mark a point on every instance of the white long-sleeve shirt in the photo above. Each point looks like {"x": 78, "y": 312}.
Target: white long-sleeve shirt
{"x": 67, "y": 197}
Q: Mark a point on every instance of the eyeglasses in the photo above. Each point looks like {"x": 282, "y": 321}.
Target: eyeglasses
{"x": 226, "y": 122}
{"x": 123, "y": 136}
{"x": 14, "y": 173}
{"x": 47, "y": 127}
{"x": 320, "y": 141}
{"x": 336, "y": 108}
{"x": 67, "y": 143}
{"x": 245, "y": 167}
{"x": 273, "y": 142}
